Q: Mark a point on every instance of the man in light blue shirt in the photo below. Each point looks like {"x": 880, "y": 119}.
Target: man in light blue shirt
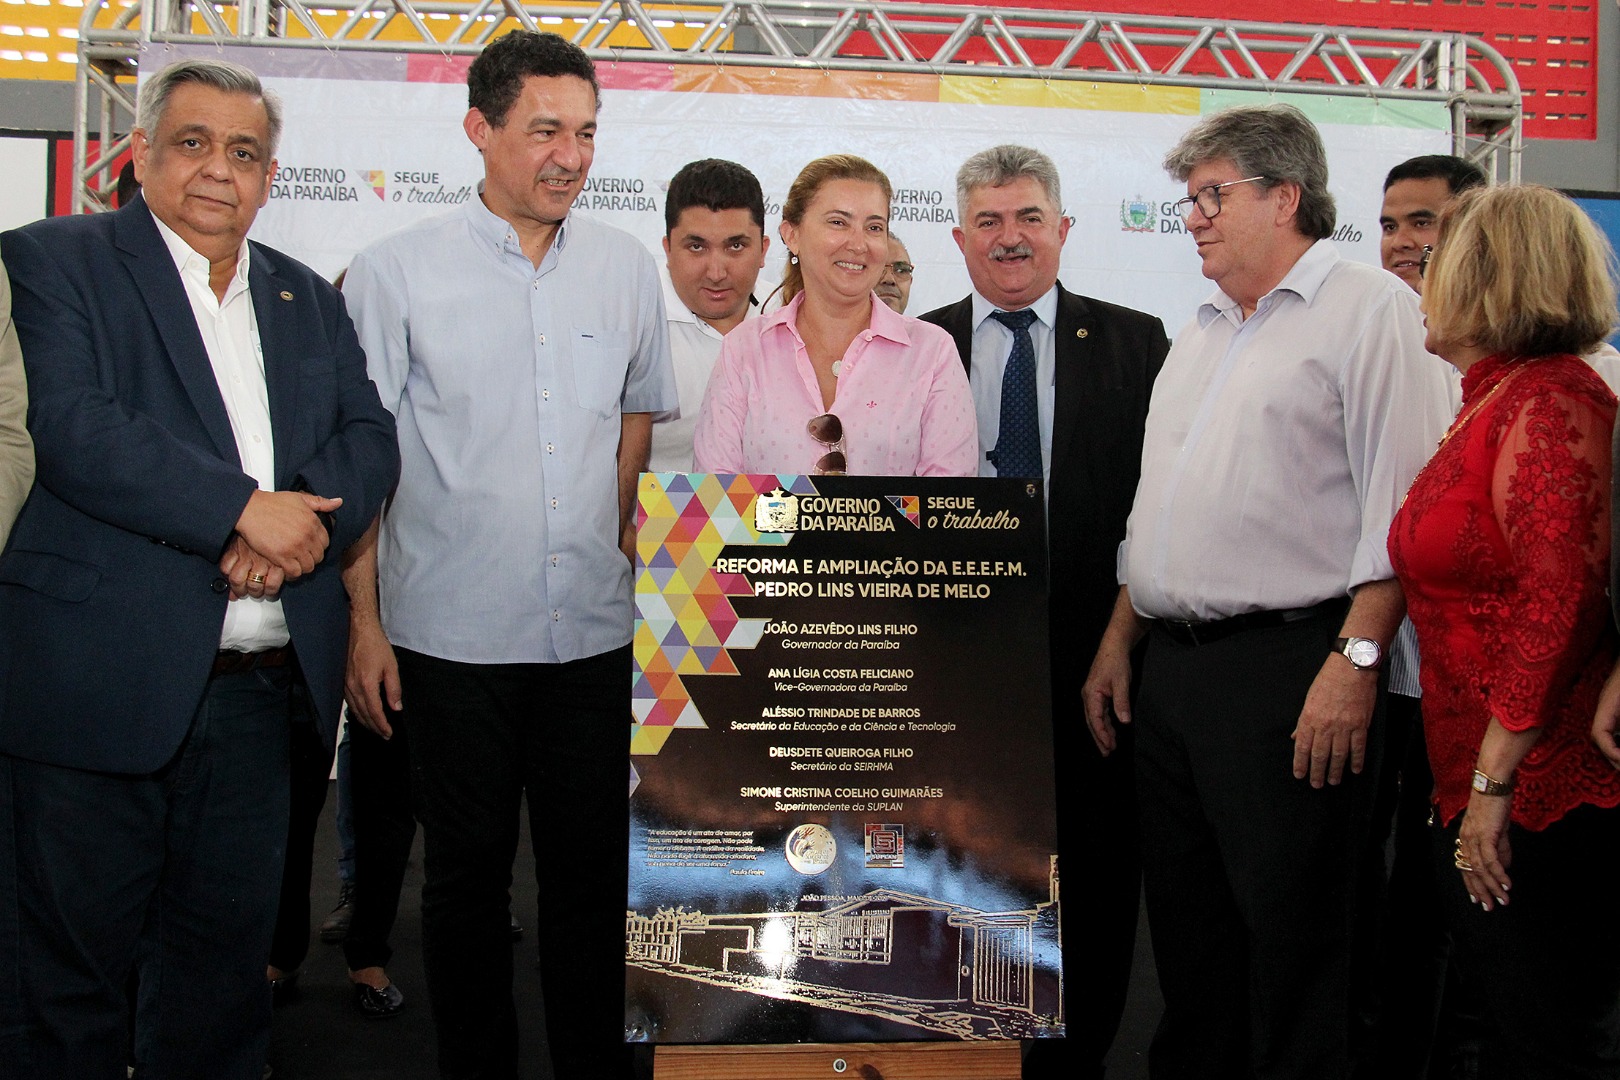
{"x": 522, "y": 348}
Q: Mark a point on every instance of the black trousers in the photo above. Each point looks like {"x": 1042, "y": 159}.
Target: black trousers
{"x": 1416, "y": 1017}
{"x": 1100, "y": 863}
{"x": 384, "y": 829}
{"x": 1248, "y": 872}
{"x": 173, "y": 874}
{"x": 1547, "y": 966}
{"x": 311, "y": 769}
{"x": 482, "y": 736}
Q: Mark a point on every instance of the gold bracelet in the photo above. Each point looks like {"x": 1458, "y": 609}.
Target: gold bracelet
{"x": 1486, "y": 784}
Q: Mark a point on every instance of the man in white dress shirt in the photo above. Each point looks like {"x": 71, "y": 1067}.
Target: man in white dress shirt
{"x": 1398, "y": 911}
{"x": 715, "y": 245}
{"x": 1283, "y": 431}
{"x": 205, "y": 434}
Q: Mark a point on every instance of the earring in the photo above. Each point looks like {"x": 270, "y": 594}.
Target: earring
{"x": 793, "y": 259}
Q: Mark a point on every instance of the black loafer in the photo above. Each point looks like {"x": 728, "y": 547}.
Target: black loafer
{"x": 377, "y": 1004}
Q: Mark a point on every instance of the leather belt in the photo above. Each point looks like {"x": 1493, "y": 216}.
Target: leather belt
{"x": 1207, "y": 633}
{"x": 231, "y": 662}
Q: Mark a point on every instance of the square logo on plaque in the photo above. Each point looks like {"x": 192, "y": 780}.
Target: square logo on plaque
{"x": 885, "y": 846}
{"x": 776, "y": 513}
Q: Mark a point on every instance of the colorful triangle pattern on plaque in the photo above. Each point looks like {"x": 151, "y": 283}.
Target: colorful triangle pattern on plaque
{"x": 685, "y": 624}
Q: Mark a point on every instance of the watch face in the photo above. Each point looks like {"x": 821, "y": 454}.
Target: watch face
{"x": 1363, "y": 653}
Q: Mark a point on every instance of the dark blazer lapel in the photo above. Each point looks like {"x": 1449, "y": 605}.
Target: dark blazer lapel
{"x": 276, "y": 307}
{"x": 1077, "y": 372}
{"x": 959, "y": 324}
{"x": 152, "y": 268}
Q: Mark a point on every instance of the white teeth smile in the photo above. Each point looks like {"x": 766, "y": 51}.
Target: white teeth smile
{"x": 851, "y": 265}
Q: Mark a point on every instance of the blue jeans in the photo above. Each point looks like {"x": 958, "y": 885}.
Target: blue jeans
{"x": 173, "y": 875}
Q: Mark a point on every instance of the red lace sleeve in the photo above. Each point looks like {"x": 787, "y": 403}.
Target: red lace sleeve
{"x": 1548, "y": 491}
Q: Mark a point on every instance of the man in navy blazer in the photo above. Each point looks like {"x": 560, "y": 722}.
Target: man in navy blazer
{"x": 207, "y": 442}
{"x": 1093, "y": 369}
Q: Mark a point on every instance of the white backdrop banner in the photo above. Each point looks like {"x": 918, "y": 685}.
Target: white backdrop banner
{"x": 373, "y": 141}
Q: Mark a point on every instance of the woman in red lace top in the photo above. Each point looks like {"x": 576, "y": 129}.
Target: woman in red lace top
{"x": 1503, "y": 548}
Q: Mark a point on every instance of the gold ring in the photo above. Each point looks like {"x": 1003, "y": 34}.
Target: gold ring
{"x": 1463, "y": 864}
{"x": 257, "y": 579}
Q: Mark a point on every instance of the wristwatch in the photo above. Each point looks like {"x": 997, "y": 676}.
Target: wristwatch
{"x": 1486, "y": 784}
{"x": 1365, "y": 653}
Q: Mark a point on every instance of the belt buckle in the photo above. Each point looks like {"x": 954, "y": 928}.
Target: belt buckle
{"x": 1185, "y": 628}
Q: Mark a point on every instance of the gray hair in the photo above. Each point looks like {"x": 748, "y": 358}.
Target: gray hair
{"x": 1001, "y": 165}
{"x": 217, "y": 74}
{"x": 1273, "y": 141}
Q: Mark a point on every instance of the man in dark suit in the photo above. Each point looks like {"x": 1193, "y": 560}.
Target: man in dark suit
{"x": 1061, "y": 384}
{"x": 206, "y": 438}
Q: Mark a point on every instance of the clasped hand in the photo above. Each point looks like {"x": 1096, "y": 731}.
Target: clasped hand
{"x": 278, "y": 539}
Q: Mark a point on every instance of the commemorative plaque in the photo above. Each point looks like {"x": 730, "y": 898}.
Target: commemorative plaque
{"x": 841, "y": 777}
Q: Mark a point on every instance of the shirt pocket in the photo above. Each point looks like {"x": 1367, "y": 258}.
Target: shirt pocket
{"x": 601, "y": 359}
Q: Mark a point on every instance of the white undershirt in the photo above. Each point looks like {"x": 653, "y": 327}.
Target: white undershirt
{"x": 230, "y": 333}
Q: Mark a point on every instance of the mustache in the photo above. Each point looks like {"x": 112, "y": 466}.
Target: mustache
{"x": 1016, "y": 251}
{"x": 558, "y": 174}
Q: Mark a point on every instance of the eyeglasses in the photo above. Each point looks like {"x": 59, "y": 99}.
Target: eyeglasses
{"x": 1423, "y": 263}
{"x": 1208, "y": 197}
{"x": 828, "y": 430}
{"x": 901, "y": 268}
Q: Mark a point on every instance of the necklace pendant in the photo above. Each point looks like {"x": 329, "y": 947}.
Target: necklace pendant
{"x": 838, "y": 366}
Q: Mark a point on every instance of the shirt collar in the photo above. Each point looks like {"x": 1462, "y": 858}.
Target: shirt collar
{"x": 188, "y": 261}
{"x": 676, "y": 310}
{"x": 1304, "y": 279}
{"x": 885, "y": 321}
{"x": 1045, "y": 308}
{"x": 495, "y": 230}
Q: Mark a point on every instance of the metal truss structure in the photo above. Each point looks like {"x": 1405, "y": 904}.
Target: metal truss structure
{"x": 1472, "y": 79}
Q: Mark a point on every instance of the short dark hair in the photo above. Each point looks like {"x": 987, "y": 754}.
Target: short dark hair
{"x": 1460, "y": 174}
{"x": 714, "y": 184}
{"x": 496, "y": 76}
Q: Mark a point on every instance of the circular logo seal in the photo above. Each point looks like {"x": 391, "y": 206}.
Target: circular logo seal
{"x": 810, "y": 849}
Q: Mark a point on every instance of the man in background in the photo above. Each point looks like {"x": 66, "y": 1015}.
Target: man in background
{"x": 714, "y": 249}
{"x": 1415, "y": 191}
{"x": 1403, "y": 974}
{"x": 894, "y": 287}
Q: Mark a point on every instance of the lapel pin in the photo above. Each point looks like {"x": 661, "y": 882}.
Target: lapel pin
{"x": 1080, "y": 333}
{"x": 285, "y": 295}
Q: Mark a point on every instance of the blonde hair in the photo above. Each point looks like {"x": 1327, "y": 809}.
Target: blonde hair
{"x": 1520, "y": 269}
{"x": 811, "y": 179}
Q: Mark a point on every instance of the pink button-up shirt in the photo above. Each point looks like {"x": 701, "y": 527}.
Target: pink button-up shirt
{"x": 902, "y": 396}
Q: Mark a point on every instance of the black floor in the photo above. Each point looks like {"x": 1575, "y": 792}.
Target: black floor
{"x": 319, "y": 1036}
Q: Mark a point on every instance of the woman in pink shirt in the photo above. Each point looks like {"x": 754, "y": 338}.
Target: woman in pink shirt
{"x": 835, "y": 381}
